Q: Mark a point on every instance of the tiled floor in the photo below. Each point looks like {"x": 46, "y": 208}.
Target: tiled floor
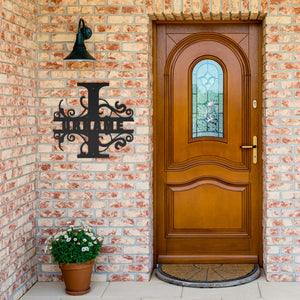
{"x": 159, "y": 290}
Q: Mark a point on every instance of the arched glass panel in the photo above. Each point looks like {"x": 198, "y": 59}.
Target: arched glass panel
{"x": 207, "y": 99}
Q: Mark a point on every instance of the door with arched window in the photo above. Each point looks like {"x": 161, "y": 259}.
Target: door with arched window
{"x": 207, "y": 143}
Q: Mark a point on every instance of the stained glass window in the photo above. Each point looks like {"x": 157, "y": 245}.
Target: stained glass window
{"x": 207, "y": 99}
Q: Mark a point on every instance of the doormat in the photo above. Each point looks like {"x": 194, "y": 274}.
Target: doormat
{"x": 208, "y": 275}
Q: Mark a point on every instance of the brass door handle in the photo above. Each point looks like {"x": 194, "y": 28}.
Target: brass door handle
{"x": 248, "y": 147}
{"x": 254, "y": 147}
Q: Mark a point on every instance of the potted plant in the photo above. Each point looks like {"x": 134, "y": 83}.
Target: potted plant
{"x": 75, "y": 249}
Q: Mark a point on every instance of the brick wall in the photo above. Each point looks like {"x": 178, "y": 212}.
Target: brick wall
{"x": 281, "y": 94}
{"x": 18, "y": 138}
{"x": 114, "y": 194}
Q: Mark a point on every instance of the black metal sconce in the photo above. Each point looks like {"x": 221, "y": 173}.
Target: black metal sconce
{"x": 100, "y": 125}
{"x": 79, "y": 51}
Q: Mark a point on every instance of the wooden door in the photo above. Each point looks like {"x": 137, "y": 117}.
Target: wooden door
{"x": 207, "y": 189}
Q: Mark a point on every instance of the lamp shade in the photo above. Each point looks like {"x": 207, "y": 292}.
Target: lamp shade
{"x": 79, "y": 51}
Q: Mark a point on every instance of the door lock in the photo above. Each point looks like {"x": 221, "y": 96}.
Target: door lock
{"x": 254, "y": 103}
{"x": 254, "y": 147}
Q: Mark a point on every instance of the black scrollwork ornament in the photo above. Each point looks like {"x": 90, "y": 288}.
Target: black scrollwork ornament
{"x": 100, "y": 125}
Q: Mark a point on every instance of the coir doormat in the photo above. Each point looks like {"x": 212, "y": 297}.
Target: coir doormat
{"x": 208, "y": 275}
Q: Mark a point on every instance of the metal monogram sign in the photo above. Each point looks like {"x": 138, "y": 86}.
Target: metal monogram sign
{"x": 100, "y": 125}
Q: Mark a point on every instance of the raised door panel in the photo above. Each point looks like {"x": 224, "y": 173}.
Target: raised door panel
{"x": 207, "y": 207}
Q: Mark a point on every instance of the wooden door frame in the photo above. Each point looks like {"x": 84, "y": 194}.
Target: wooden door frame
{"x": 155, "y": 117}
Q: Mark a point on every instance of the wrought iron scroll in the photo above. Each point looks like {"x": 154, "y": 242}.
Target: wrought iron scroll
{"x": 100, "y": 125}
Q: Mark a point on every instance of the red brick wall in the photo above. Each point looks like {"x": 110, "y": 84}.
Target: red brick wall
{"x": 18, "y": 139}
{"x": 122, "y": 45}
{"x": 113, "y": 195}
{"x": 281, "y": 140}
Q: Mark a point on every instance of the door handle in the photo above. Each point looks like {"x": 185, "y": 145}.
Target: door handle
{"x": 248, "y": 147}
{"x": 254, "y": 147}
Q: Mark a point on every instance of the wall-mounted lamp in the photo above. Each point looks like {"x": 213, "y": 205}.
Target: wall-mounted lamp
{"x": 79, "y": 51}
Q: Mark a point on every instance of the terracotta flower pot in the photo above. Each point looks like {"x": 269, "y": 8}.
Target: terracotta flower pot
{"x": 77, "y": 277}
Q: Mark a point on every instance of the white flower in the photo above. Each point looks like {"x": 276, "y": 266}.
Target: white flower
{"x": 95, "y": 242}
{"x": 68, "y": 240}
{"x": 84, "y": 249}
{"x": 93, "y": 238}
{"x": 84, "y": 240}
{"x": 75, "y": 239}
{"x": 90, "y": 244}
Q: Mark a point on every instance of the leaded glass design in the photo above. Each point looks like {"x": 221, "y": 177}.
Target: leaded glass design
{"x": 207, "y": 99}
